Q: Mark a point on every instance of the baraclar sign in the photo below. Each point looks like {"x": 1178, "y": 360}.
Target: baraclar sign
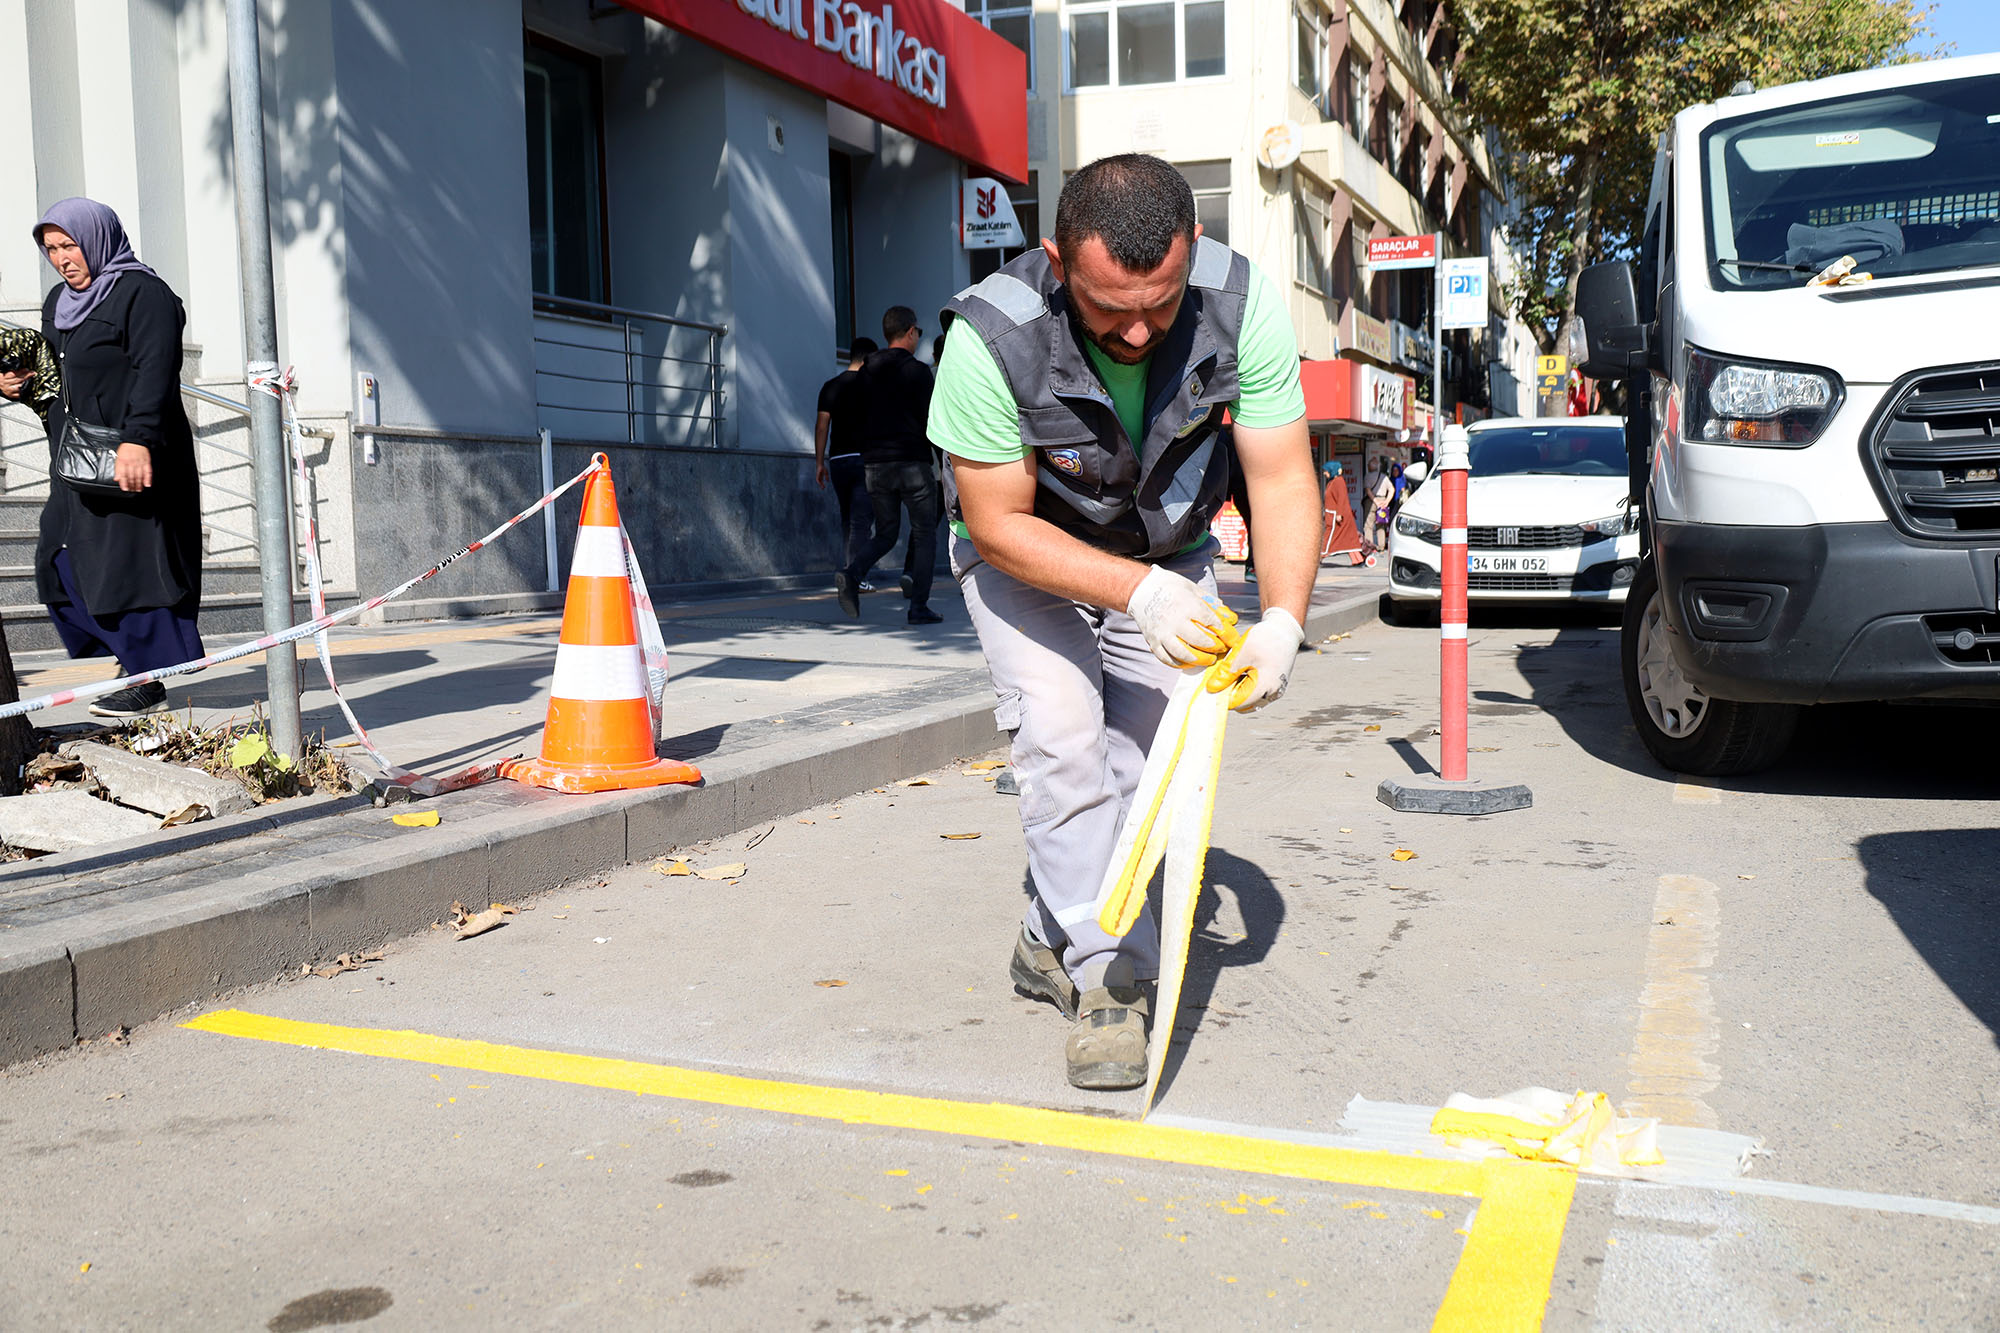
{"x": 863, "y": 39}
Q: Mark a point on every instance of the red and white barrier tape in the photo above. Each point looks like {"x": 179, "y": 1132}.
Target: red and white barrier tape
{"x": 317, "y": 625}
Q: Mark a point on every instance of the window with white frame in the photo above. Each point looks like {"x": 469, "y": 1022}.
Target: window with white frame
{"x": 1210, "y": 182}
{"x": 1011, "y": 19}
{"x": 1357, "y": 97}
{"x": 1127, "y": 43}
{"x": 1309, "y": 49}
{"x": 1311, "y": 211}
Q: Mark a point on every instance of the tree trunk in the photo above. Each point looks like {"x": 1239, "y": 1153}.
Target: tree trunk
{"x": 1581, "y": 228}
{"x": 17, "y": 737}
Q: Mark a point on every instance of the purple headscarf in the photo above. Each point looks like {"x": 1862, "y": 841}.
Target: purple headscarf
{"x": 106, "y": 252}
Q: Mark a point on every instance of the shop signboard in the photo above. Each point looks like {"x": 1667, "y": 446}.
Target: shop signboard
{"x": 1368, "y": 335}
{"x": 918, "y": 65}
{"x": 1464, "y": 294}
{"x": 1391, "y": 252}
{"x": 1411, "y": 347}
{"x": 1379, "y": 397}
{"x": 989, "y": 216}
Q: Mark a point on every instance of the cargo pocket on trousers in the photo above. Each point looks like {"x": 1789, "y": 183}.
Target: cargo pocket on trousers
{"x": 1029, "y": 763}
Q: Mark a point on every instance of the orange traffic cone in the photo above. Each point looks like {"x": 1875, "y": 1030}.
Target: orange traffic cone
{"x": 599, "y": 735}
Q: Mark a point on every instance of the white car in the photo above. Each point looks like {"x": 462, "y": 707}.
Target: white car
{"x": 1547, "y": 512}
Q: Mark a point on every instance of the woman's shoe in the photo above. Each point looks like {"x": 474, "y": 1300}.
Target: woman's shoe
{"x": 132, "y": 701}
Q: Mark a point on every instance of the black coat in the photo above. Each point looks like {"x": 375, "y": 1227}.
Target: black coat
{"x": 122, "y": 367}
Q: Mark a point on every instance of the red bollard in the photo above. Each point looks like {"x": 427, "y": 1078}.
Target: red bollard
{"x": 1450, "y": 791}
{"x": 1453, "y": 462}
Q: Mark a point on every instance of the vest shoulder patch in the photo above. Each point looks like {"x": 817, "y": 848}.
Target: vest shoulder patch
{"x": 1011, "y": 297}
{"x": 1068, "y": 461}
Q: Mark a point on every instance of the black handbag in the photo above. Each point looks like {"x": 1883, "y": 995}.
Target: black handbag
{"x": 86, "y": 454}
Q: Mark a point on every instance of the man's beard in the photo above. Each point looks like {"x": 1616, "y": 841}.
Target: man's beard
{"x": 1113, "y": 346}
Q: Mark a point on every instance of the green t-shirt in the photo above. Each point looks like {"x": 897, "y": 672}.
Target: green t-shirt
{"x": 973, "y": 414}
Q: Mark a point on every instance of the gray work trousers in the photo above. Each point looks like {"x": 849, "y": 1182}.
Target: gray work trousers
{"x": 1081, "y": 696}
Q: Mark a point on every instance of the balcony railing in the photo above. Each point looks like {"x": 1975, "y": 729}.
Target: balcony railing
{"x": 611, "y": 374}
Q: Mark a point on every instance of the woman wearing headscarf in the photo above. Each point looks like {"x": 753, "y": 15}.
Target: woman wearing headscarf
{"x": 120, "y": 573}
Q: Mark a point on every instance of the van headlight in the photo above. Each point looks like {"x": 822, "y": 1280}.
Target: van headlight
{"x": 1613, "y": 525}
{"x": 1748, "y": 402}
{"x": 1421, "y": 528}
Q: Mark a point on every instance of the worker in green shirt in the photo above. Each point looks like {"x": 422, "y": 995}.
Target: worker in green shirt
{"x": 1079, "y": 403}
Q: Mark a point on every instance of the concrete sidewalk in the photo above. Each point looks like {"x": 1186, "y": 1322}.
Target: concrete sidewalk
{"x": 779, "y": 699}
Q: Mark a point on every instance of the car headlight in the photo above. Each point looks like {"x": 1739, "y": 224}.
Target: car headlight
{"x": 1743, "y": 402}
{"x": 1420, "y": 528}
{"x": 1612, "y": 525}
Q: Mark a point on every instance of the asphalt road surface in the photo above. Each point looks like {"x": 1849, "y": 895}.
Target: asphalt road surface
{"x": 527, "y": 1129}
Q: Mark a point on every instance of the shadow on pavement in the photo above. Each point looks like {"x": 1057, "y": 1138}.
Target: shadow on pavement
{"x": 1939, "y": 886}
{"x": 1262, "y": 908}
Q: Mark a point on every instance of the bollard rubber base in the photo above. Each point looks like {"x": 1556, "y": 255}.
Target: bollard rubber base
{"x": 1432, "y": 795}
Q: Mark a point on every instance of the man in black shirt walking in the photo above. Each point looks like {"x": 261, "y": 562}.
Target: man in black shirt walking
{"x": 896, "y": 459}
{"x": 837, "y": 450}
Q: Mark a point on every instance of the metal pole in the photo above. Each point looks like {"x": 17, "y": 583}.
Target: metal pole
{"x": 260, "y": 351}
{"x": 549, "y": 514}
{"x": 631, "y": 420}
{"x": 1437, "y": 342}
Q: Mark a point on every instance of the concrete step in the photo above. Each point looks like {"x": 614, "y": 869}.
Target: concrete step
{"x": 218, "y": 578}
{"x": 225, "y": 617}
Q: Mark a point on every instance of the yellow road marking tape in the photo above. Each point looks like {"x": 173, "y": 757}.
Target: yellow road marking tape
{"x": 1503, "y": 1275}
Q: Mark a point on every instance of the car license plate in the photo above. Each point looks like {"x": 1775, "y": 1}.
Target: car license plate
{"x": 1501, "y": 562}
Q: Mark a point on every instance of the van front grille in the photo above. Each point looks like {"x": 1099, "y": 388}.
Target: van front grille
{"x": 1934, "y": 449}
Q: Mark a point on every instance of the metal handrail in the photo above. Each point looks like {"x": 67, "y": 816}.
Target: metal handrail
{"x": 621, "y": 320}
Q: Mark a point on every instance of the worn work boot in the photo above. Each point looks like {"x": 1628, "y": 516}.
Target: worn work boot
{"x": 1107, "y": 1047}
{"x": 1037, "y": 972}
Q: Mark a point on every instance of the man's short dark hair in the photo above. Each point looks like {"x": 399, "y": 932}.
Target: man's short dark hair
{"x": 863, "y": 346}
{"x": 1135, "y": 203}
{"x": 898, "y": 320}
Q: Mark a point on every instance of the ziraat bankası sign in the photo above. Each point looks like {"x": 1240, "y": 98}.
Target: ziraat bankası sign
{"x": 918, "y": 65}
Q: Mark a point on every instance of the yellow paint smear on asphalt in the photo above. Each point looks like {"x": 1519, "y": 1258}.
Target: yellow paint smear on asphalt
{"x": 1678, "y": 1032}
{"x": 1697, "y": 791}
{"x": 1503, "y": 1275}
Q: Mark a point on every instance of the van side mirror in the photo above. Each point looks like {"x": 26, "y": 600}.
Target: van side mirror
{"x": 1616, "y": 344}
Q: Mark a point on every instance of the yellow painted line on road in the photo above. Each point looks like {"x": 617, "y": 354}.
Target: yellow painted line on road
{"x": 1503, "y": 1274}
{"x": 1697, "y": 791}
{"x": 1677, "y": 1026}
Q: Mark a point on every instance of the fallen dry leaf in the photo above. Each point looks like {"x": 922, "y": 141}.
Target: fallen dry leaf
{"x": 1746, "y": 877}
{"x": 914, "y": 782}
{"x": 468, "y": 924}
{"x": 830, "y": 982}
{"x": 958, "y": 837}
{"x": 562, "y": 916}
{"x": 734, "y": 870}
{"x": 1485, "y": 749}
{"x": 1347, "y": 830}
{"x": 187, "y": 814}
{"x": 416, "y": 819}
{"x": 677, "y": 868}
{"x": 1402, "y": 854}
{"x": 1399, "y": 886}
{"x": 348, "y": 962}
{"x": 984, "y": 766}
{"x": 113, "y": 1096}
{"x": 1373, "y": 726}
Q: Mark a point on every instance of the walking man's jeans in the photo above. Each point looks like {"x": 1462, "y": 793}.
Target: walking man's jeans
{"x": 892, "y": 488}
{"x": 857, "y": 513}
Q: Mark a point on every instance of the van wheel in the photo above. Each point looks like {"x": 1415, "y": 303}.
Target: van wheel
{"x": 1683, "y": 728}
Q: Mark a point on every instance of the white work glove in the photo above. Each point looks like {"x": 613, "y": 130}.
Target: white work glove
{"x": 1182, "y": 627}
{"x": 1257, "y": 669}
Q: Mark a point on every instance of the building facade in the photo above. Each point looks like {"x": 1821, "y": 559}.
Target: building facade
{"x": 1357, "y": 97}
{"x": 498, "y": 218}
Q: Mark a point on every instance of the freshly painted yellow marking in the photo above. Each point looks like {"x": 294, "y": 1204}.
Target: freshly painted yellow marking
{"x": 1697, "y": 791}
{"x": 1503, "y": 1275}
{"x": 1678, "y": 1033}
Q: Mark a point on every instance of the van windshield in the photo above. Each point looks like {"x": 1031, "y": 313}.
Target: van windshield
{"x": 1905, "y": 181}
{"x": 1573, "y": 451}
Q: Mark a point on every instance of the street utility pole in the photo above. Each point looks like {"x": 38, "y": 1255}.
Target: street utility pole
{"x": 260, "y": 351}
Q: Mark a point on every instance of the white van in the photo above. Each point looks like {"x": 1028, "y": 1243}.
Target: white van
{"x": 1818, "y": 457}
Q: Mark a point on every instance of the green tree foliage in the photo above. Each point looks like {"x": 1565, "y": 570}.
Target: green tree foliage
{"x": 1580, "y": 92}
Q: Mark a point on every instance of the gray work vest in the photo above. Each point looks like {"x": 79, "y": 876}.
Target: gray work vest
{"x": 1146, "y": 503}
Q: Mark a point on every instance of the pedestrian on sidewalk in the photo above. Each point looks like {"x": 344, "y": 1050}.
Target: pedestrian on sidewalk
{"x": 837, "y": 450}
{"x": 1080, "y": 506}
{"x": 896, "y": 459}
{"x": 119, "y": 573}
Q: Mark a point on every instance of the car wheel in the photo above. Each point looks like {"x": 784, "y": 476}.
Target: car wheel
{"x": 1685, "y": 729}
